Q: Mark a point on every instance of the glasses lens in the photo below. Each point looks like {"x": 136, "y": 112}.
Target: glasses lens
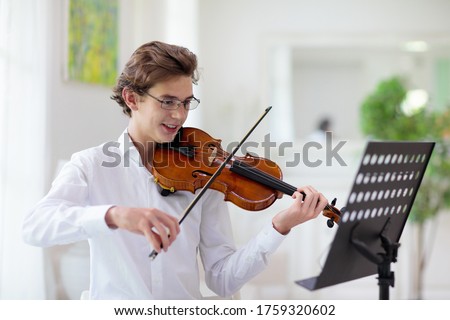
{"x": 191, "y": 104}
{"x": 170, "y": 104}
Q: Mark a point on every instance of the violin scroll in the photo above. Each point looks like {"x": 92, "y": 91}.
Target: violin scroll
{"x": 333, "y": 213}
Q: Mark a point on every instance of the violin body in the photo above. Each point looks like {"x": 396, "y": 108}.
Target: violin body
{"x": 190, "y": 161}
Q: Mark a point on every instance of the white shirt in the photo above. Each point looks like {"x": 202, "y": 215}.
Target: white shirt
{"x": 112, "y": 174}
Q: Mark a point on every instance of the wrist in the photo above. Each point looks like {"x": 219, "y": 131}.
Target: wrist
{"x": 109, "y": 217}
{"x": 280, "y": 229}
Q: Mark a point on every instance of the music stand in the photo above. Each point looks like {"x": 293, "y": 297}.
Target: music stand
{"x": 377, "y": 208}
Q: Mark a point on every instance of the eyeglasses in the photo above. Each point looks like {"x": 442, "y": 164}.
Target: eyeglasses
{"x": 174, "y": 104}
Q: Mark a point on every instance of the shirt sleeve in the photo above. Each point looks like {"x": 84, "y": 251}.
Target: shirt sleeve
{"x": 227, "y": 269}
{"x": 64, "y": 215}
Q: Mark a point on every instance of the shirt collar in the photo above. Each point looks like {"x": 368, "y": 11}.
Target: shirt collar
{"x": 128, "y": 148}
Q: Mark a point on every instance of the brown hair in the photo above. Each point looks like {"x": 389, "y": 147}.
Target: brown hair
{"x": 151, "y": 63}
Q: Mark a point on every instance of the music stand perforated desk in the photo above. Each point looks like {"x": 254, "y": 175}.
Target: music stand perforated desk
{"x": 377, "y": 208}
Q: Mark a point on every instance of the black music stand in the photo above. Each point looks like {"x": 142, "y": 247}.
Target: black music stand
{"x": 378, "y": 206}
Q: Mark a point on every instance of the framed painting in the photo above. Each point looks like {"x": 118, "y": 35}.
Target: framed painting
{"x": 92, "y": 41}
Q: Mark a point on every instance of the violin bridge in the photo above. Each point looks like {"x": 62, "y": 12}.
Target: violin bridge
{"x": 212, "y": 156}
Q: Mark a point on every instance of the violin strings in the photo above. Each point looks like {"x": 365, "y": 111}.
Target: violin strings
{"x": 265, "y": 176}
{"x": 270, "y": 179}
{"x": 275, "y": 181}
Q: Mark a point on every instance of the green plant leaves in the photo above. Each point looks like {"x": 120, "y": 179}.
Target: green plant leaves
{"x": 382, "y": 118}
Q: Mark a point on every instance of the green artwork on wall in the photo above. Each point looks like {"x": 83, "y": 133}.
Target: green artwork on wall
{"x": 93, "y": 41}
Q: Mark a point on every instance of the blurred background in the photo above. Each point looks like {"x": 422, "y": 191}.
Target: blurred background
{"x": 311, "y": 60}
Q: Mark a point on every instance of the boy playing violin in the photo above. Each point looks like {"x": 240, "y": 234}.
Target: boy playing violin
{"x": 119, "y": 210}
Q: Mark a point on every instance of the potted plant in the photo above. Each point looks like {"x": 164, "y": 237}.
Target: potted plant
{"x": 386, "y": 115}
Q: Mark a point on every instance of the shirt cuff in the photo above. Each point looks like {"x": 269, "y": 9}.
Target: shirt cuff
{"x": 94, "y": 220}
{"x": 270, "y": 239}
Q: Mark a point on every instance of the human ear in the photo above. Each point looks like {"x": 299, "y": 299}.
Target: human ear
{"x": 130, "y": 97}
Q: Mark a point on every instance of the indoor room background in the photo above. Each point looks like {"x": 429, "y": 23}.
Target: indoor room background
{"x": 309, "y": 60}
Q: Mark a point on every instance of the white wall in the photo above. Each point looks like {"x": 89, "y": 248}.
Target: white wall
{"x": 235, "y": 37}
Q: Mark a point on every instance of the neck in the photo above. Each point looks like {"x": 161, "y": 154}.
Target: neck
{"x": 144, "y": 146}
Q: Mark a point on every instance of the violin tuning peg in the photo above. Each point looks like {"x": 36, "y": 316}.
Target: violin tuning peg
{"x": 330, "y": 223}
{"x": 334, "y": 202}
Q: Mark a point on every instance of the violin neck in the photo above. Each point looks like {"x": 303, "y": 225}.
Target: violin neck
{"x": 259, "y": 176}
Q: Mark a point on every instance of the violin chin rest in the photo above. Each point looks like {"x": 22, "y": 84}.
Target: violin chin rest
{"x": 165, "y": 192}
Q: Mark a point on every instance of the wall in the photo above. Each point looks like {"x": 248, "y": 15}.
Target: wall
{"x": 235, "y": 37}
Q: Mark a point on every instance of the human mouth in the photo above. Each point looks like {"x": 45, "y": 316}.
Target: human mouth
{"x": 170, "y": 128}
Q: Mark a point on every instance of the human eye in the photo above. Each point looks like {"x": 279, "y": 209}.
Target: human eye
{"x": 168, "y": 103}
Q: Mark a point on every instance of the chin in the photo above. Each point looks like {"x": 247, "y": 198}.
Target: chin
{"x": 167, "y": 139}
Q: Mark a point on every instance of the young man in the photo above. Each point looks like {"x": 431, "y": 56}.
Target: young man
{"x": 117, "y": 207}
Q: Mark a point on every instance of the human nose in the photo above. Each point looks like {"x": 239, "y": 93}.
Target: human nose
{"x": 181, "y": 105}
{"x": 180, "y": 112}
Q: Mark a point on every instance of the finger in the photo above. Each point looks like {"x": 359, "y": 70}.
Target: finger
{"x": 298, "y": 199}
{"x": 312, "y": 191}
{"x": 154, "y": 239}
{"x": 297, "y": 195}
{"x": 174, "y": 228}
{"x": 163, "y": 235}
{"x": 310, "y": 198}
{"x": 322, "y": 202}
{"x": 172, "y": 225}
{"x": 153, "y": 231}
{"x": 307, "y": 190}
{"x": 316, "y": 203}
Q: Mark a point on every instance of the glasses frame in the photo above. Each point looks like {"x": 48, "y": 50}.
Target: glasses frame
{"x": 178, "y": 102}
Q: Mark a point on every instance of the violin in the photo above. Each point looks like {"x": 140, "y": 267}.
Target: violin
{"x": 195, "y": 160}
{"x": 250, "y": 182}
